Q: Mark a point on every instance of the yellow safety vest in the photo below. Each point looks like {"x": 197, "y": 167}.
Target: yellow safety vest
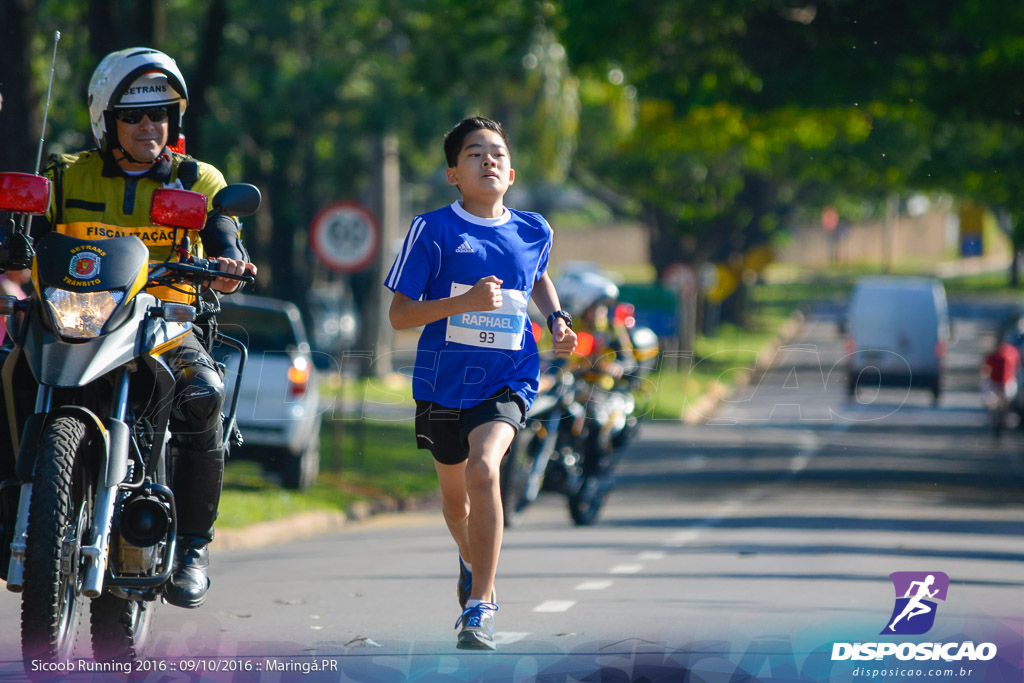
{"x": 89, "y": 204}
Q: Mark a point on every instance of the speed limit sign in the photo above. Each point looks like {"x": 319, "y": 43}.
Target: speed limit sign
{"x": 345, "y": 237}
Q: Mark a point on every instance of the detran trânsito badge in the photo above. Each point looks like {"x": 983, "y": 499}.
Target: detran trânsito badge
{"x": 84, "y": 266}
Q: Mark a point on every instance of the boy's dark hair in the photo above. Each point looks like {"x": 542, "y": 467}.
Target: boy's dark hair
{"x": 456, "y": 136}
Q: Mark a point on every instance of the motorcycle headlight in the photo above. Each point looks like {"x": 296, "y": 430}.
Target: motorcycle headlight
{"x": 81, "y": 315}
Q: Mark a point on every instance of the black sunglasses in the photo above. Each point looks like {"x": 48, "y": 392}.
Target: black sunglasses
{"x": 155, "y": 114}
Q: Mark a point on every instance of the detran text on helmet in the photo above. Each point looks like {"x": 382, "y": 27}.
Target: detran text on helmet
{"x": 146, "y": 89}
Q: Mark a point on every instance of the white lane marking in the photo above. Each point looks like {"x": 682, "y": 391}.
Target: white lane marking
{"x": 696, "y": 462}
{"x": 626, "y": 569}
{"x": 800, "y": 462}
{"x": 651, "y": 555}
{"x": 810, "y": 444}
{"x": 554, "y": 606}
{"x": 594, "y": 585}
{"x": 682, "y": 538}
{"x": 507, "y": 637}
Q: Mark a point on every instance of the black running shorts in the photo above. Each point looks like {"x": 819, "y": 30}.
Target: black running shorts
{"x": 445, "y": 431}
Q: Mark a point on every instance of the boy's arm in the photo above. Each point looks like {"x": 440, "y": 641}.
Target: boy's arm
{"x": 405, "y": 312}
{"x": 546, "y": 298}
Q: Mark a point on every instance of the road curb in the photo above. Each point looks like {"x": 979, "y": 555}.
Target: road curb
{"x": 704, "y": 407}
{"x": 314, "y": 523}
{"x": 277, "y": 531}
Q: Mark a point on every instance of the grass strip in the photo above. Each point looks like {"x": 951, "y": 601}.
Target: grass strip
{"x": 366, "y": 459}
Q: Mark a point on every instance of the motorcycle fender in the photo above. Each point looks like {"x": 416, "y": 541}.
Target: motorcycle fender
{"x": 117, "y": 452}
{"x": 30, "y": 436}
{"x": 35, "y": 425}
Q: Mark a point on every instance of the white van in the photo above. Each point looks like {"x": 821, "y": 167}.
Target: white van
{"x": 898, "y": 331}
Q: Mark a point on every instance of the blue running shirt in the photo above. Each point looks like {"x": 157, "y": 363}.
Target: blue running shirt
{"x": 465, "y": 359}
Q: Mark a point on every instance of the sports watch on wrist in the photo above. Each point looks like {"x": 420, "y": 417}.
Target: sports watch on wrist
{"x": 564, "y": 315}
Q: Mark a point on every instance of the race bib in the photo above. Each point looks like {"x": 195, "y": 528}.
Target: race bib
{"x": 500, "y": 329}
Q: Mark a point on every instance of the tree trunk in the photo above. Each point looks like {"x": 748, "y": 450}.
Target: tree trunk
{"x": 205, "y": 75}
{"x": 104, "y": 33}
{"x": 19, "y": 124}
{"x": 666, "y": 244}
{"x": 376, "y": 335}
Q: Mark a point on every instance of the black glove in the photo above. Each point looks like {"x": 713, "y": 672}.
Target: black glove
{"x": 16, "y": 251}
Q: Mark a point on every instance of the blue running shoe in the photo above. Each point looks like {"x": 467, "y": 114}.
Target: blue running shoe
{"x": 477, "y": 627}
{"x": 465, "y": 586}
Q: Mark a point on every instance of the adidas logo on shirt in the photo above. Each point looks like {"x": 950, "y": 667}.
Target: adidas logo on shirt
{"x": 464, "y": 248}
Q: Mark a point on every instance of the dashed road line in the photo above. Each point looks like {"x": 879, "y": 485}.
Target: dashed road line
{"x": 651, "y": 555}
{"x": 626, "y": 569}
{"x": 554, "y": 606}
{"x": 682, "y": 538}
{"x": 594, "y": 585}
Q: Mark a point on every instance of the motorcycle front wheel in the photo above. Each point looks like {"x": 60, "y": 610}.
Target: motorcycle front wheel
{"x": 515, "y": 477}
{"x": 119, "y": 627}
{"x": 587, "y": 498}
{"x": 59, "y": 518}
{"x": 587, "y": 493}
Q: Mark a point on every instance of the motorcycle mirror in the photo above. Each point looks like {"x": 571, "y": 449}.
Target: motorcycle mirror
{"x": 178, "y": 209}
{"x": 238, "y": 199}
{"x": 24, "y": 193}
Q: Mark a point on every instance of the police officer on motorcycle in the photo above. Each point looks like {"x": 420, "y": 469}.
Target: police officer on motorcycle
{"x": 591, "y": 297}
{"x": 137, "y": 98}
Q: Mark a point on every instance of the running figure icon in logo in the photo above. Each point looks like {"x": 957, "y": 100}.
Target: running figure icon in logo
{"x": 916, "y": 589}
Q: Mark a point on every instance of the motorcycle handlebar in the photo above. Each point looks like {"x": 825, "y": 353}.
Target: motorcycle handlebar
{"x": 208, "y": 267}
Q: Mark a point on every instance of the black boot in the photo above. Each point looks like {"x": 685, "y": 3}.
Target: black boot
{"x": 197, "y": 482}
{"x": 189, "y": 583}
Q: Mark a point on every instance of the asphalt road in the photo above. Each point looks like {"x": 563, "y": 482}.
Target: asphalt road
{"x": 742, "y": 549}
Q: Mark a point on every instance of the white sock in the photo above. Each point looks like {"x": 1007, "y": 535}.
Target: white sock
{"x": 467, "y": 565}
{"x": 472, "y": 602}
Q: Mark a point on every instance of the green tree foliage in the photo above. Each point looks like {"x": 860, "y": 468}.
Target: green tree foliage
{"x": 294, "y": 95}
{"x": 715, "y": 122}
{"x": 748, "y": 109}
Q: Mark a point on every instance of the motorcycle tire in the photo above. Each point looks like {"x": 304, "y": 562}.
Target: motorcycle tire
{"x": 120, "y": 628}
{"x": 588, "y": 493}
{"x": 515, "y": 477}
{"x": 61, "y": 509}
{"x": 587, "y": 498}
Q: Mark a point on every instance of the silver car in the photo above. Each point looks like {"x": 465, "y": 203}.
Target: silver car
{"x": 278, "y": 404}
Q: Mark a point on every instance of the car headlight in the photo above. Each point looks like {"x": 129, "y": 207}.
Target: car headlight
{"x": 81, "y": 315}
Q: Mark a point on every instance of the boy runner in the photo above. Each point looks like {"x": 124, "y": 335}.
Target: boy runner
{"x": 466, "y": 272}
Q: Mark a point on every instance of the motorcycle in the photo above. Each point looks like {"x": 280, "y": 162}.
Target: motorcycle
{"x": 548, "y": 437}
{"x": 96, "y": 520}
{"x": 576, "y": 431}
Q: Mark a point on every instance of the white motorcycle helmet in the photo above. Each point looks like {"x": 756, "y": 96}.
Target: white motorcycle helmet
{"x": 579, "y": 290}
{"x": 135, "y": 77}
